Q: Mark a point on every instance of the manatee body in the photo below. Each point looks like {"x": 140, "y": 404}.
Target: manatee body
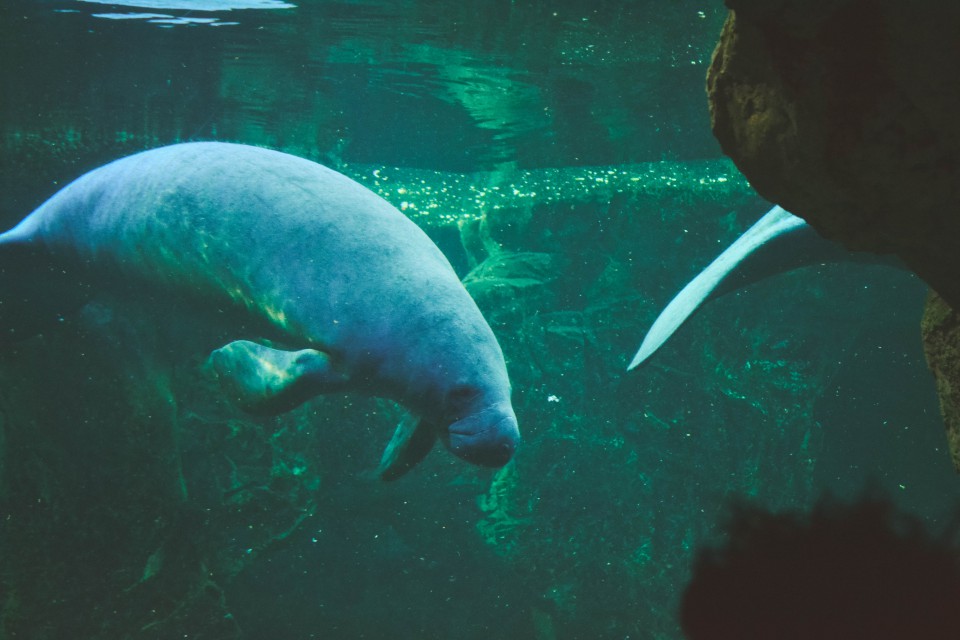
{"x": 778, "y": 242}
{"x": 346, "y": 293}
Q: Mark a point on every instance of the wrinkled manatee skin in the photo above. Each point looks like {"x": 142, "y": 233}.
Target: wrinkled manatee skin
{"x": 310, "y": 258}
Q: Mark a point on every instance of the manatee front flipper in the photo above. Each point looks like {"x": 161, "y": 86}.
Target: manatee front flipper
{"x": 778, "y": 242}
{"x": 268, "y": 381}
{"x": 410, "y": 444}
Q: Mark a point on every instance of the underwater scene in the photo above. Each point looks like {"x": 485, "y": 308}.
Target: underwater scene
{"x": 183, "y": 456}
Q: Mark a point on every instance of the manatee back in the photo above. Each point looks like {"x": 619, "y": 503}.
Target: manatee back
{"x": 279, "y": 235}
{"x": 301, "y": 246}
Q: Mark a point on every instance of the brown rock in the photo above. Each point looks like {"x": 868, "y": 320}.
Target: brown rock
{"x": 846, "y": 117}
{"x": 941, "y": 345}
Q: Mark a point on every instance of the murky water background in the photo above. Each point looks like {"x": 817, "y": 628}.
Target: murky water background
{"x": 560, "y": 154}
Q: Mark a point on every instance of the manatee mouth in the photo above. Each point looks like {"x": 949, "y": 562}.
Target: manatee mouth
{"x": 491, "y": 447}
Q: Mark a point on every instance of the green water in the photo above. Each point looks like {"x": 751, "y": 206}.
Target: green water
{"x": 560, "y": 154}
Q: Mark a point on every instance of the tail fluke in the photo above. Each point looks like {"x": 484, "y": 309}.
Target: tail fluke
{"x": 778, "y": 242}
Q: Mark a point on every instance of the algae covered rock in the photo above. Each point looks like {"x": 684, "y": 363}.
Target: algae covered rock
{"x": 941, "y": 344}
{"x": 844, "y": 113}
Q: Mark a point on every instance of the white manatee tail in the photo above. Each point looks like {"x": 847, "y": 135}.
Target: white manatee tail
{"x": 778, "y": 242}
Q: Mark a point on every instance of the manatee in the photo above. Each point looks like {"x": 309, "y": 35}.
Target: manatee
{"x": 777, "y": 243}
{"x": 328, "y": 287}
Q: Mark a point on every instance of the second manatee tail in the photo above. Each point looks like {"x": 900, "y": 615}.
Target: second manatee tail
{"x": 778, "y": 242}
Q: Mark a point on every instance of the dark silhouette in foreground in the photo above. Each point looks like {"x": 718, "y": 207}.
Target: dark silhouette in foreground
{"x": 843, "y": 571}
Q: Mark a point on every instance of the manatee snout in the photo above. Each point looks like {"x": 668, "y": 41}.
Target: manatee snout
{"x": 487, "y": 438}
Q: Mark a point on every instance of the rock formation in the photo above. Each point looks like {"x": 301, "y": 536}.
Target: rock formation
{"x": 845, "y": 115}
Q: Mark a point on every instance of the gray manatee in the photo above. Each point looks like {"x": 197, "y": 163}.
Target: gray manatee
{"x": 778, "y": 242}
{"x": 329, "y": 287}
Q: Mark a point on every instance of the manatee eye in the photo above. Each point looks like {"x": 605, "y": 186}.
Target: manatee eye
{"x": 461, "y": 394}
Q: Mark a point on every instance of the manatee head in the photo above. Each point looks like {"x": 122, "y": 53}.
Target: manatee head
{"x": 480, "y": 432}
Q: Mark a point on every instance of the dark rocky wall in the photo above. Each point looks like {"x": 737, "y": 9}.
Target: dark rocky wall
{"x": 846, "y": 116}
